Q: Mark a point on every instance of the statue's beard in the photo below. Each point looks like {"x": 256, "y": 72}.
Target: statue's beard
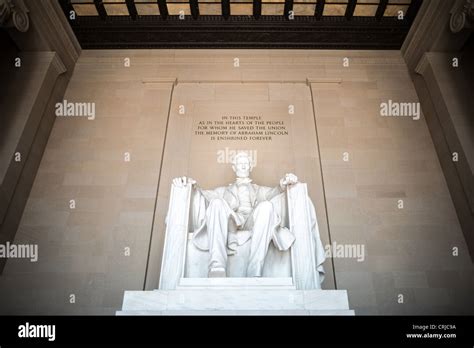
{"x": 242, "y": 174}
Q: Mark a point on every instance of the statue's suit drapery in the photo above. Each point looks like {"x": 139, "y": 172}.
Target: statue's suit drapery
{"x": 240, "y": 231}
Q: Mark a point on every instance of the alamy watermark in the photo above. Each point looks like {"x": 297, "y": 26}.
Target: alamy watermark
{"x": 28, "y": 330}
{"x": 391, "y": 108}
{"x": 75, "y": 109}
{"x": 227, "y": 155}
{"x": 19, "y": 251}
{"x": 351, "y": 251}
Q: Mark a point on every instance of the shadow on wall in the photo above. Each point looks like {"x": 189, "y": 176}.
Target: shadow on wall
{"x": 8, "y": 53}
{"x": 467, "y": 55}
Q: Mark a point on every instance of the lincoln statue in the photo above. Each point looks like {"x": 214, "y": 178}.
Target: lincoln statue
{"x": 242, "y": 212}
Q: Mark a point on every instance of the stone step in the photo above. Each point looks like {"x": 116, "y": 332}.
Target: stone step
{"x": 241, "y": 312}
{"x": 235, "y": 300}
{"x": 233, "y": 283}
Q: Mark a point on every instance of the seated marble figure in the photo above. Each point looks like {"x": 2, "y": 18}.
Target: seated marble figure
{"x": 242, "y": 212}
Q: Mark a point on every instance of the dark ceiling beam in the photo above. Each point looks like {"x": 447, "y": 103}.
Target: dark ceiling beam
{"x": 288, "y": 8}
{"x": 132, "y": 10}
{"x": 318, "y": 12}
{"x": 413, "y": 10}
{"x": 99, "y": 5}
{"x": 226, "y": 9}
{"x": 194, "y": 5}
{"x": 381, "y": 9}
{"x": 240, "y": 32}
{"x": 257, "y": 8}
{"x": 350, "y": 9}
{"x": 163, "y": 8}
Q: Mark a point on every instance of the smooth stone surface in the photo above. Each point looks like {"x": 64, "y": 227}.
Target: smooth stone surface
{"x": 243, "y": 312}
{"x": 203, "y": 301}
{"x": 243, "y": 283}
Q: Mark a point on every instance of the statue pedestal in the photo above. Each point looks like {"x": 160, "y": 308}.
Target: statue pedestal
{"x": 236, "y": 296}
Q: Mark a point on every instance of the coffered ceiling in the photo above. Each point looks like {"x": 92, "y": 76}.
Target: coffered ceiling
{"x": 352, "y": 24}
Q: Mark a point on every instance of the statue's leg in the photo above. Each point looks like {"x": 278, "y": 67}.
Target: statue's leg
{"x": 217, "y": 220}
{"x": 263, "y": 224}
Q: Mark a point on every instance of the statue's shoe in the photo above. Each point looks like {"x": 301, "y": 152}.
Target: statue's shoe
{"x": 217, "y": 273}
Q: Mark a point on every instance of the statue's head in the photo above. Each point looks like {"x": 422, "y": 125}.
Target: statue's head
{"x": 242, "y": 164}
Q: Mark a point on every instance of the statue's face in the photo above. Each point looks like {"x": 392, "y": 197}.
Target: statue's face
{"x": 242, "y": 167}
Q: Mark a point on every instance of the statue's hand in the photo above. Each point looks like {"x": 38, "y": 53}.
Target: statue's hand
{"x": 289, "y": 179}
{"x": 183, "y": 181}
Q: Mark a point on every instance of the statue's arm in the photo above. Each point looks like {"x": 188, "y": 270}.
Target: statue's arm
{"x": 208, "y": 194}
{"x": 288, "y": 179}
{"x": 273, "y": 192}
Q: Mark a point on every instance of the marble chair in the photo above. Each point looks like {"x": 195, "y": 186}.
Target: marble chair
{"x": 302, "y": 262}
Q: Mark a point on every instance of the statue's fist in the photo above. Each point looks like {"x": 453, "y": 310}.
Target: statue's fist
{"x": 183, "y": 181}
{"x": 288, "y": 179}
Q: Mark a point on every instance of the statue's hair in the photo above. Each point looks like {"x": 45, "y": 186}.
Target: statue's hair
{"x": 242, "y": 154}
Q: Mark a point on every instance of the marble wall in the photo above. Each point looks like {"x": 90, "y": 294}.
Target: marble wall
{"x": 440, "y": 61}
{"x": 35, "y": 74}
{"x": 111, "y": 240}
{"x": 287, "y": 144}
